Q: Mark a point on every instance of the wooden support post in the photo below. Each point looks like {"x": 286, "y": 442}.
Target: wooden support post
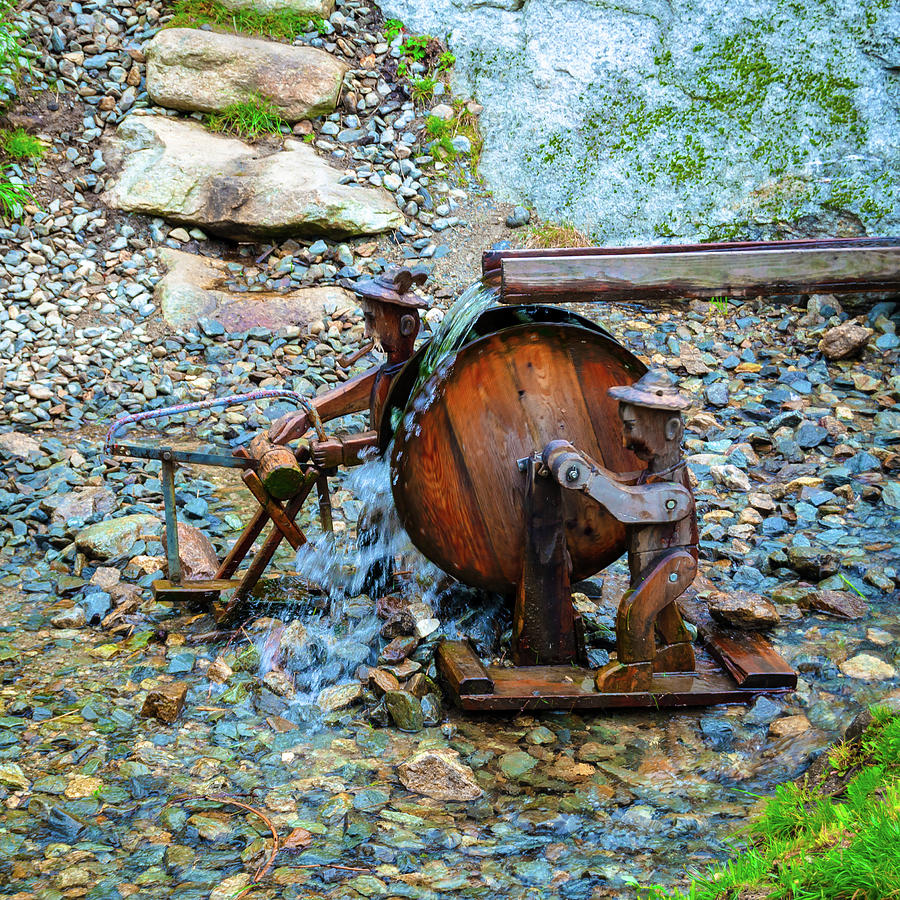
{"x": 281, "y": 521}
{"x": 543, "y": 618}
{"x": 173, "y": 556}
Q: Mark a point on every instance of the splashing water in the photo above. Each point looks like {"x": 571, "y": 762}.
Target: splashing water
{"x": 450, "y": 335}
{"x": 322, "y": 648}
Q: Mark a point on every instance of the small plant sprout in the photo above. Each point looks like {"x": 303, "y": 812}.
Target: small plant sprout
{"x": 718, "y": 305}
{"x": 281, "y": 24}
{"x": 851, "y": 585}
{"x": 392, "y": 27}
{"x": 14, "y": 197}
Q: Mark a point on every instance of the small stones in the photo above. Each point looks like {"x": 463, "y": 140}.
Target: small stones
{"x": 731, "y": 477}
{"x": 440, "y": 775}
{"x": 166, "y": 702}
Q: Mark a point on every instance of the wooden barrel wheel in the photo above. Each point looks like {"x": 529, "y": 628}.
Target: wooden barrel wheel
{"x": 456, "y": 484}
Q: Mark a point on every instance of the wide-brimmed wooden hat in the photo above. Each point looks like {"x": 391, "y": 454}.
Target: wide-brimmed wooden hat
{"x": 657, "y": 389}
{"x": 394, "y": 285}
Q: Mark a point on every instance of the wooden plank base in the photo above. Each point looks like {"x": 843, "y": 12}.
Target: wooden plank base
{"x": 572, "y": 687}
{"x": 751, "y": 660}
{"x": 196, "y": 591}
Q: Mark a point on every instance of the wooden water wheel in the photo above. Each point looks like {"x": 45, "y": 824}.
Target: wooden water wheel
{"x": 518, "y": 382}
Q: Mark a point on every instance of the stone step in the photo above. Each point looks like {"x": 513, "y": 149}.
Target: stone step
{"x": 191, "y": 291}
{"x": 206, "y": 71}
{"x": 180, "y": 171}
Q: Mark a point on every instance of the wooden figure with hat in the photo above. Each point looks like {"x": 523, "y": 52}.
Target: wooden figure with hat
{"x": 391, "y": 311}
{"x": 657, "y": 508}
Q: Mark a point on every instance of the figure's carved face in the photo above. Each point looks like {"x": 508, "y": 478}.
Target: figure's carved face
{"x": 392, "y": 328}
{"x": 643, "y": 430}
{"x": 634, "y": 428}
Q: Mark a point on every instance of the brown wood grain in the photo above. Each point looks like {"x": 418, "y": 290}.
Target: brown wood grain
{"x": 572, "y": 687}
{"x": 491, "y": 260}
{"x": 458, "y": 489}
{"x": 462, "y": 669}
{"x": 702, "y": 273}
{"x": 747, "y": 655}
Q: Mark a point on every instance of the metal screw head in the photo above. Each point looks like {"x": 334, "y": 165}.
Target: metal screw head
{"x": 673, "y": 577}
{"x": 670, "y": 504}
{"x": 572, "y": 473}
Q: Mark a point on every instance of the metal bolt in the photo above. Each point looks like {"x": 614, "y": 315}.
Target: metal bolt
{"x": 670, "y": 504}
{"x": 673, "y": 577}
{"x": 572, "y": 473}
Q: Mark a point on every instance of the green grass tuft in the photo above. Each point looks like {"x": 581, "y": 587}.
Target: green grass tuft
{"x": 248, "y": 118}
{"x": 13, "y": 197}
{"x": 813, "y": 844}
{"x": 281, "y": 24}
{"x": 20, "y": 145}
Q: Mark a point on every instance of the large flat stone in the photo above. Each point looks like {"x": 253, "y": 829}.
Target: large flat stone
{"x": 323, "y": 8}
{"x": 192, "y": 289}
{"x": 182, "y": 172}
{"x": 206, "y": 71}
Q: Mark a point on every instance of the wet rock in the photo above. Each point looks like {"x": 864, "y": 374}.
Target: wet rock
{"x": 763, "y": 711}
{"x": 516, "y": 764}
{"x": 381, "y": 682}
{"x": 815, "y": 563}
{"x": 279, "y": 683}
{"x": 339, "y": 696}
{"x": 115, "y": 537}
{"x": 405, "y": 710}
{"x": 789, "y": 726}
{"x": 741, "y": 609}
{"x": 844, "y": 604}
{"x": 219, "y": 671}
{"x": 166, "y": 702}
{"x": 195, "y": 552}
{"x": 867, "y": 667}
{"x": 431, "y": 709}
{"x": 105, "y": 577}
{"x": 206, "y": 71}
{"x": 11, "y": 775}
{"x": 95, "y": 604}
{"x": 846, "y": 339}
{"x": 191, "y": 291}
{"x": 397, "y": 650}
{"x": 182, "y": 172}
{"x": 439, "y": 774}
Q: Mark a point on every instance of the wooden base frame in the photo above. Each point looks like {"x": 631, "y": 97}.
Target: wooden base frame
{"x": 477, "y": 688}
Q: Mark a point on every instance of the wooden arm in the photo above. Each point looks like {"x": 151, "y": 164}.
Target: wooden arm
{"x": 352, "y": 396}
{"x": 646, "y": 504}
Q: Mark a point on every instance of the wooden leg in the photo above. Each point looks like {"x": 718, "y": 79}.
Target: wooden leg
{"x": 243, "y": 544}
{"x": 543, "y": 617}
{"x": 280, "y": 520}
{"x": 636, "y": 622}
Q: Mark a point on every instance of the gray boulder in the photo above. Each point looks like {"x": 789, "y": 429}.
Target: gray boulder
{"x": 207, "y": 71}
{"x": 182, "y": 172}
{"x": 190, "y": 290}
{"x": 683, "y": 119}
